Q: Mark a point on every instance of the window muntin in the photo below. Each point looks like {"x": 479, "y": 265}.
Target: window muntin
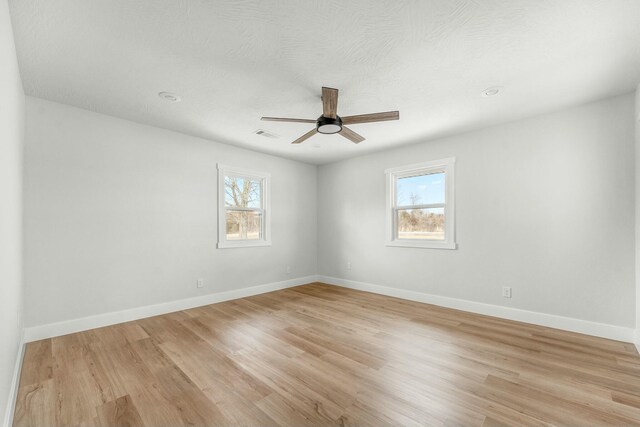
{"x": 420, "y": 205}
{"x": 243, "y": 208}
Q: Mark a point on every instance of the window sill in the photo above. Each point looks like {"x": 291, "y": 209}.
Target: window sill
{"x": 243, "y": 244}
{"x": 422, "y": 245}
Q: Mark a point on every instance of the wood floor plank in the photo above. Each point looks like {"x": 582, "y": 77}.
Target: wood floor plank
{"x": 176, "y": 387}
{"x": 35, "y": 405}
{"x": 287, "y": 377}
{"x": 128, "y": 374}
{"x": 39, "y": 358}
{"x": 323, "y": 355}
{"x": 77, "y": 392}
{"x": 237, "y": 409}
{"x": 626, "y": 399}
{"x": 119, "y": 413}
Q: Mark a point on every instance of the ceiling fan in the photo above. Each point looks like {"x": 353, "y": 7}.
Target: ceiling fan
{"x": 329, "y": 122}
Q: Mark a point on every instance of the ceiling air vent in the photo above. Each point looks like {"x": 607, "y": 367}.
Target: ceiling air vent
{"x": 266, "y": 134}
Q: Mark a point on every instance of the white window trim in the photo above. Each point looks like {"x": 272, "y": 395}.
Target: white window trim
{"x": 223, "y": 243}
{"x": 448, "y": 166}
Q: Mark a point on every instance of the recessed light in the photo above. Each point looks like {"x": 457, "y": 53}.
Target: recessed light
{"x": 491, "y": 91}
{"x": 170, "y": 97}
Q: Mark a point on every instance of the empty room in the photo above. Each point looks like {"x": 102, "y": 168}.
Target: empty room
{"x": 319, "y": 213}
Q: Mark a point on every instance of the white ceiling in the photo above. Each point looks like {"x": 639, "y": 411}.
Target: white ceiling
{"x": 237, "y": 60}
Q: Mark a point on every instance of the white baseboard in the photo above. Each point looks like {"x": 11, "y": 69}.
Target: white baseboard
{"x": 35, "y": 333}
{"x": 603, "y": 330}
{"x": 13, "y": 389}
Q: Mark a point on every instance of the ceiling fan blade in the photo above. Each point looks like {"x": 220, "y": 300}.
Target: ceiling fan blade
{"x": 305, "y": 136}
{"x": 285, "y": 119}
{"x": 351, "y": 135}
{"x": 329, "y": 102}
{"x": 373, "y": 117}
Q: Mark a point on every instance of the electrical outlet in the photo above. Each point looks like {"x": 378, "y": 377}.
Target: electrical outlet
{"x": 200, "y": 283}
{"x": 288, "y": 269}
{"x": 506, "y": 292}
{"x": 348, "y": 265}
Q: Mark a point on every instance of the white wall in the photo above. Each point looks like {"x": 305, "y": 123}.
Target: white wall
{"x": 11, "y": 147}
{"x": 637, "y": 200}
{"x": 120, "y": 215}
{"x": 545, "y": 205}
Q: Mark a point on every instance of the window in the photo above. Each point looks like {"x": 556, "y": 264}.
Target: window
{"x": 243, "y": 209}
{"x": 420, "y": 205}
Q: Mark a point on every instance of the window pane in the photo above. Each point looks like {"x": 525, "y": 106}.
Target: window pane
{"x": 425, "y": 224}
{"x": 420, "y": 190}
{"x": 242, "y": 192}
{"x": 244, "y": 225}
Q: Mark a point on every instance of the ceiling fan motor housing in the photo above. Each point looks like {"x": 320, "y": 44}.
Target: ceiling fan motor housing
{"x": 328, "y": 125}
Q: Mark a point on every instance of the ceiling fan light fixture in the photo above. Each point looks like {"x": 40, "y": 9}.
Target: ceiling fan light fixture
{"x": 328, "y": 126}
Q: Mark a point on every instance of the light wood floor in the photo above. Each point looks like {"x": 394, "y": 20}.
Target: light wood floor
{"x": 322, "y": 355}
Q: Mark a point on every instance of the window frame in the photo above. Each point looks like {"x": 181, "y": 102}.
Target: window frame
{"x": 265, "y": 207}
{"x": 393, "y": 174}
